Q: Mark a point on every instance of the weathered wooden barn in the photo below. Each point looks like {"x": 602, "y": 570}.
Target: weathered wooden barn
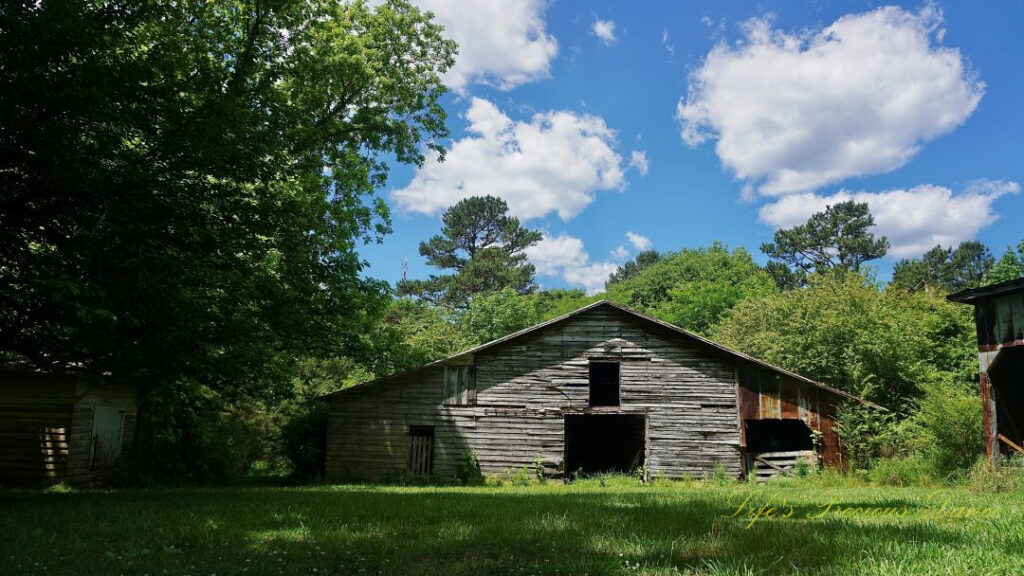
{"x": 601, "y": 388}
{"x": 999, "y": 317}
{"x": 62, "y": 427}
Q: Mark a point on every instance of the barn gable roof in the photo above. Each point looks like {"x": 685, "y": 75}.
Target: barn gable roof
{"x": 606, "y": 303}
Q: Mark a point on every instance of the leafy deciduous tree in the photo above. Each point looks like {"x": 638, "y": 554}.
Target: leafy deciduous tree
{"x": 693, "y": 288}
{"x": 846, "y": 332}
{"x": 184, "y": 184}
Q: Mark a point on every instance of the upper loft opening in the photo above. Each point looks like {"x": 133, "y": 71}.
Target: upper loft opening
{"x": 604, "y": 384}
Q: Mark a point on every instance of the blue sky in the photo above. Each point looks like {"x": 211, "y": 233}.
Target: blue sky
{"x": 614, "y": 127}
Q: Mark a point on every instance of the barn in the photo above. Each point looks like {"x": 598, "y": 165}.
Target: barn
{"x": 999, "y": 318}
{"x": 62, "y": 427}
{"x": 603, "y": 388}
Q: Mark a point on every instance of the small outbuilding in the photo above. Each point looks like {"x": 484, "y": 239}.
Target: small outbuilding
{"x": 603, "y": 388}
{"x": 999, "y": 318}
{"x": 60, "y": 427}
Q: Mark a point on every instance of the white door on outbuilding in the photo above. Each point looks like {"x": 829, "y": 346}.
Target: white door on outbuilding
{"x": 107, "y": 435}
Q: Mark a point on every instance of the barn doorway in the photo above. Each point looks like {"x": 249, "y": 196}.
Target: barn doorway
{"x": 1006, "y": 374}
{"x": 778, "y": 435}
{"x": 597, "y": 443}
{"x": 775, "y": 445}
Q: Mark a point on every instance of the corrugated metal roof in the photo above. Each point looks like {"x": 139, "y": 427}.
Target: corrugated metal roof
{"x": 986, "y": 292}
{"x": 631, "y": 312}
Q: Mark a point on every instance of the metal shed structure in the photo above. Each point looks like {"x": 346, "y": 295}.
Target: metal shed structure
{"x": 999, "y": 318}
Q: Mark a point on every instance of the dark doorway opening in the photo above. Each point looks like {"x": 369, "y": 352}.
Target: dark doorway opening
{"x": 1006, "y": 375}
{"x": 604, "y": 442}
{"x": 778, "y": 435}
{"x": 604, "y": 383}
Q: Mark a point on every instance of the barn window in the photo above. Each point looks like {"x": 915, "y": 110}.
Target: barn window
{"x": 421, "y": 450}
{"x": 604, "y": 383}
{"x": 459, "y": 385}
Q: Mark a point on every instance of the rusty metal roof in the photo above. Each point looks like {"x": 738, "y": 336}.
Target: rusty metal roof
{"x": 985, "y": 292}
{"x": 640, "y": 315}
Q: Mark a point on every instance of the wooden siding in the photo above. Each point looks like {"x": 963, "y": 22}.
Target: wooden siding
{"x": 525, "y": 386}
{"x": 46, "y": 425}
{"x": 35, "y": 428}
{"x": 767, "y": 395}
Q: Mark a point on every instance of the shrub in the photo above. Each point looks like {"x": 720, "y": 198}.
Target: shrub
{"x": 719, "y": 475}
{"x": 802, "y": 468}
{"x": 950, "y": 420}
{"x": 304, "y": 440}
{"x": 467, "y": 469}
{"x": 869, "y": 434}
{"x": 520, "y": 477}
{"x": 538, "y": 470}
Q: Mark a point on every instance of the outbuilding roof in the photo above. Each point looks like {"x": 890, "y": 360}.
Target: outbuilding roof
{"x": 985, "y": 292}
{"x": 610, "y": 304}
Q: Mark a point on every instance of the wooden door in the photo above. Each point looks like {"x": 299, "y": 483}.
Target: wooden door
{"x": 107, "y": 435}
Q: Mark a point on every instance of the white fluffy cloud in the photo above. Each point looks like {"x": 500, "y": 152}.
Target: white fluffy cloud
{"x": 792, "y": 112}
{"x": 564, "y": 256}
{"x": 502, "y": 43}
{"x": 620, "y": 252}
{"x": 914, "y": 220}
{"x": 639, "y": 242}
{"x": 554, "y": 162}
{"x": 604, "y": 30}
{"x": 638, "y": 160}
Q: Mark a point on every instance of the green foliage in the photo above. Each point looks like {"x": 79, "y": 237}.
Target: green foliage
{"x": 838, "y": 238}
{"x": 868, "y": 434}
{"x": 1009, "y": 267}
{"x": 518, "y": 477}
{"x": 491, "y": 316}
{"x": 204, "y": 439}
{"x": 945, "y": 268}
{"x": 186, "y": 184}
{"x": 910, "y": 470}
{"x": 633, "y": 267}
{"x": 846, "y": 332}
{"x": 483, "y": 246}
{"x": 1006, "y": 476}
{"x": 538, "y": 470}
{"x": 304, "y": 438}
{"x": 950, "y": 421}
{"x": 693, "y": 288}
{"x": 719, "y": 475}
{"x": 468, "y": 468}
{"x": 412, "y": 333}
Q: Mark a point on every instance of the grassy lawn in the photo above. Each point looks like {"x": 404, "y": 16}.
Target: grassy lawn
{"x": 621, "y": 528}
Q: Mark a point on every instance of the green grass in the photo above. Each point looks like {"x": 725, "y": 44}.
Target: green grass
{"x": 620, "y": 528}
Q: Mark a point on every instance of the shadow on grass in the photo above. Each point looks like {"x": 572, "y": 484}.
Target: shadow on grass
{"x": 379, "y": 530}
